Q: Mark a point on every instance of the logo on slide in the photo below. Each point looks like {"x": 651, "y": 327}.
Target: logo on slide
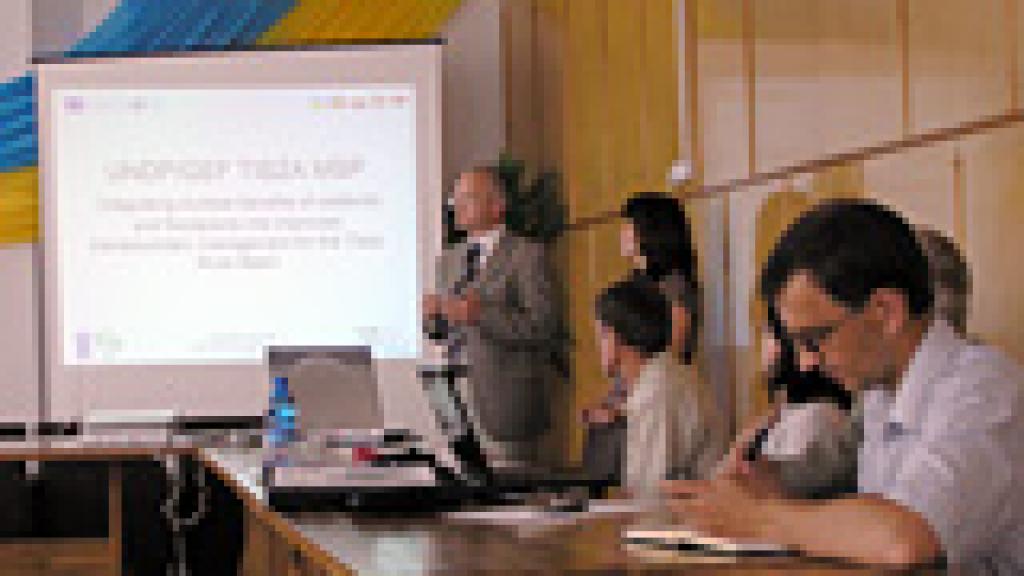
{"x": 96, "y": 345}
{"x": 83, "y": 345}
{"x": 74, "y": 104}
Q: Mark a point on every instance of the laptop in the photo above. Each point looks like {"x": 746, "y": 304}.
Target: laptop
{"x": 334, "y": 387}
{"x": 404, "y": 477}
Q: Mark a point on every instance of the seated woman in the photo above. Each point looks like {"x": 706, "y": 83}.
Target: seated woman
{"x": 805, "y": 445}
{"x": 655, "y": 239}
{"x": 672, "y": 429}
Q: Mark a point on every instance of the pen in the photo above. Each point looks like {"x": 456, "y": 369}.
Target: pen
{"x": 753, "y": 450}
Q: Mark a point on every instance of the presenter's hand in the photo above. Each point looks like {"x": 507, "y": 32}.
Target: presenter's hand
{"x": 464, "y": 310}
{"x": 721, "y": 507}
{"x": 600, "y": 415}
{"x": 432, "y": 304}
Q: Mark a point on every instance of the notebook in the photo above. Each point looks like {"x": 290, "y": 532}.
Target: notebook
{"x": 686, "y": 540}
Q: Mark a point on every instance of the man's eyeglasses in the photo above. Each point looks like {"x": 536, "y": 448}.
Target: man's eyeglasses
{"x": 812, "y": 337}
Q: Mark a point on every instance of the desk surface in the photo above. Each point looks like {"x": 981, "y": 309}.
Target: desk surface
{"x": 445, "y": 546}
{"x": 427, "y": 545}
{"x": 92, "y": 448}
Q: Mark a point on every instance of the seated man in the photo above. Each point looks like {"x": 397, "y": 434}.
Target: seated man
{"x": 672, "y": 429}
{"x": 940, "y": 462}
{"x": 807, "y": 441}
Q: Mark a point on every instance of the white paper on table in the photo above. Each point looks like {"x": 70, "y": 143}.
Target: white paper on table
{"x": 690, "y": 541}
{"x": 535, "y": 517}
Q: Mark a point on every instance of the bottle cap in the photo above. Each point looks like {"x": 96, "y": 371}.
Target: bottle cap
{"x": 280, "y": 386}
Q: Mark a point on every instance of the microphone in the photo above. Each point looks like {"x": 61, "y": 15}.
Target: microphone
{"x": 436, "y": 327}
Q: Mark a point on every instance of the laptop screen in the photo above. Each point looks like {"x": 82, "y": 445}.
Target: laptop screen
{"x": 334, "y": 387}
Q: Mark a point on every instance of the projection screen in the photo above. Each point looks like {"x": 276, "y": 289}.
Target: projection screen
{"x": 199, "y": 207}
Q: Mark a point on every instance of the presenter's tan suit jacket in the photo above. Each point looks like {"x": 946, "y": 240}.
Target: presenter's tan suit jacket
{"x": 509, "y": 350}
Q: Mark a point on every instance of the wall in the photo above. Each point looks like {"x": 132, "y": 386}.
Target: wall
{"x": 474, "y": 130}
{"x": 755, "y": 88}
{"x": 18, "y": 340}
{"x": 777, "y": 85}
{"x": 28, "y": 26}
{"x": 591, "y": 92}
{"x": 474, "y": 133}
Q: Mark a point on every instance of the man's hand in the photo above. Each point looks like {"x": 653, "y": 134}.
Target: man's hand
{"x": 760, "y": 478}
{"x": 866, "y": 529}
{"x": 464, "y": 310}
{"x": 721, "y": 507}
{"x": 734, "y": 462}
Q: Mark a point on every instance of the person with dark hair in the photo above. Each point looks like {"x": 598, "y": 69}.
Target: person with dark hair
{"x": 943, "y": 433}
{"x": 655, "y": 239}
{"x": 951, "y": 278}
{"x": 496, "y": 312}
{"x": 672, "y": 429}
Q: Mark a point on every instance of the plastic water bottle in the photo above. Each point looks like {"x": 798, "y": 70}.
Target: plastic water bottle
{"x": 282, "y": 421}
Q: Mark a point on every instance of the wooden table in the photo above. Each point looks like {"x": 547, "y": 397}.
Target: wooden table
{"x": 328, "y": 544}
{"x": 335, "y": 544}
{"x": 79, "y": 556}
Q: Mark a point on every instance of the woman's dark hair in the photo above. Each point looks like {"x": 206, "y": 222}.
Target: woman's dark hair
{"x": 800, "y": 386}
{"x": 662, "y": 233}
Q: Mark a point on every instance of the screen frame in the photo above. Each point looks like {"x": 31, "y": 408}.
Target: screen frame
{"x": 231, "y": 390}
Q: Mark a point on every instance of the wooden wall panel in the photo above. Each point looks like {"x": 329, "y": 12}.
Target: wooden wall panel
{"x": 587, "y": 158}
{"x": 661, "y": 67}
{"x": 588, "y": 383}
{"x": 828, "y": 77}
{"x": 520, "y": 82}
{"x": 709, "y": 221}
{"x": 1016, "y": 32}
{"x": 993, "y": 176}
{"x": 549, "y": 100}
{"x": 918, "y": 183}
{"x": 723, "y": 131}
{"x": 627, "y": 95}
{"x": 959, "y": 61}
{"x": 835, "y": 75}
{"x": 604, "y": 112}
{"x": 754, "y": 215}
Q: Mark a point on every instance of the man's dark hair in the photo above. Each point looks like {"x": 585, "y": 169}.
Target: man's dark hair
{"x": 662, "y": 233}
{"x": 851, "y": 248}
{"x": 638, "y": 313}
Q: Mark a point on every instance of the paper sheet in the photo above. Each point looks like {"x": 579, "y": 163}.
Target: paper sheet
{"x": 532, "y": 518}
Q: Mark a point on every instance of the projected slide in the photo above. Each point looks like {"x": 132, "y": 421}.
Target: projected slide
{"x": 197, "y": 226}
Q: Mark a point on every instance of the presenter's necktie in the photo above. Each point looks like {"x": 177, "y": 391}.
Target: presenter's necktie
{"x": 472, "y": 270}
{"x": 457, "y": 338}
